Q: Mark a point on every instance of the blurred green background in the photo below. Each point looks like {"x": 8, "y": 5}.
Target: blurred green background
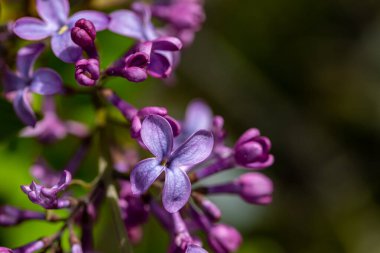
{"x": 307, "y": 73}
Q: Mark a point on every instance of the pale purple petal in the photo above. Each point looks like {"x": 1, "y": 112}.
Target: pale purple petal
{"x": 26, "y": 58}
{"x": 76, "y": 128}
{"x": 198, "y": 116}
{"x": 176, "y": 191}
{"x": 195, "y": 249}
{"x": 12, "y": 82}
{"x": 46, "y": 82}
{"x": 126, "y": 23}
{"x": 144, "y": 174}
{"x": 167, "y": 44}
{"x": 29, "y": 28}
{"x": 157, "y": 136}
{"x": 99, "y": 19}
{"x": 23, "y": 109}
{"x": 159, "y": 66}
{"x": 195, "y": 150}
{"x": 64, "y": 48}
{"x": 54, "y": 12}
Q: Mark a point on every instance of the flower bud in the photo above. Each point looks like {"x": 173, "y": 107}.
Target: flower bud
{"x": 255, "y": 188}
{"x": 223, "y": 238}
{"x": 10, "y": 215}
{"x": 87, "y": 71}
{"x": 84, "y": 34}
{"x": 252, "y": 150}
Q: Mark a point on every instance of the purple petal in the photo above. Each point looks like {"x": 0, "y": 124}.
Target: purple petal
{"x": 77, "y": 129}
{"x": 159, "y": 66}
{"x": 32, "y": 29}
{"x": 54, "y": 12}
{"x": 195, "y": 150}
{"x": 144, "y": 174}
{"x": 64, "y": 48}
{"x": 195, "y": 249}
{"x": 12, "y": 82}
{"x": 167, "y": 44}
{"x": 126, "y": 23}
{"x": 26, "y": 57}
{"x": 198, "y": 117}
{"x": 23, "y": 109}
{"x": 99, "y": 19}
{"x": 177, "y": 190}
{"x": 248, "y": 135}
{"x": 157, "y": 136}
{"x": 46, "y": 82}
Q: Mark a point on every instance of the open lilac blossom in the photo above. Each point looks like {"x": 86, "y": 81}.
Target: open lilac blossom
{"x": 57, "y": 24}
{"x": 252, "y": 150}
{"x": 10, "y": 216}
{"x": 150, "y": 57}
{"x": 19, "y": 85}
{"x": 157, "y": 136}
{"x": 48, "y": 197}
{"x": 254, "y": 188}
{"x": 51, "y": 128}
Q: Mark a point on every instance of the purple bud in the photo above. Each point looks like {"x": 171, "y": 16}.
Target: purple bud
{"x": 223, "y": 238}
{"x": 135, "y": 234}
{"x": 83, "y": 34}
{"x": 128, "y": 111}
{"x": 87, "y": 71}
{"x": 255, "y": 188}
{"x": 209, "y": 208}
{"x": 10, "y": 216}
{"x": 252, "y": 150}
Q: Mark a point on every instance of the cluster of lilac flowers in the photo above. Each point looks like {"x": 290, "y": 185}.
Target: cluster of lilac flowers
{"x": 183, "y": 152}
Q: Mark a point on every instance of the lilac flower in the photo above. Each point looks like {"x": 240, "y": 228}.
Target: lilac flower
{"x": 51, "y": 128}
{"x": 48, "y": 197}
{"x": 42, "y": 172}
{"x": 56, "y": 24}
{"x": 252, "y": 150}
{"x": 17, "y": 86}
{"x": 5, "y": 250}
{"x": 83, "y": 34}
{"x": 223, "y": 238}
{"x": 157, "y": 136}
{"x": 31, "y": 247}
{"x": 150, "y": 57}
{"x": 10, "y": 216}
{"x": 87, "y": 71}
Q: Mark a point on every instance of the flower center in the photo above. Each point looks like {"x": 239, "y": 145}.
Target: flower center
{"x": 63, "y": 29}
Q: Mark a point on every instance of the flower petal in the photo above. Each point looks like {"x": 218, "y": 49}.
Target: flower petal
{"x": 177, "y": 190}
{"x": 127, "y": 23}
{"x": 54, "y": 12}
{"x": 198, "y": 117}
{"x": 195, "y": 150}
{"x": 29, "y": 28}
{"x": 64, "y": 48}
{"x": 46, "y": 82}
{"x": 26, "y": 57}
{"x": 12, "y": 82}
{"x": 167, "y": 44}
{"x": 192, "y": 248}
{"x": 144, "y": 174}
{"x": 22, "y": 107}
{"x": 159, "y": 66}
{"x": 157, "y": 135}
{"x": 99, "y": 19}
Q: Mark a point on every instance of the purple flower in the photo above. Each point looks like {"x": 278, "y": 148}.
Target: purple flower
{"x": 31, "y": 247}
{"x": 51, "y": 128}
{"x": 48, "y": 197}
{"x": 5, "y": 250}
{"x": 42, "y": 172}
{"x": 157, "y": 136}
{"x": 56, "y": 24}
{"x": 252, "y": 150}
{"x": 17, "y": 86}
{"x": 223, "y": 238}
{"x": 182, "y": 14}
{"x": 83, "y": 34}
{"x": 10, "y": 216}
{"x": 151, "y": 57}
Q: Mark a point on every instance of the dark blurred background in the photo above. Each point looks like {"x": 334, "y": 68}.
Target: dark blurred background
{"x": 306, "y": 73}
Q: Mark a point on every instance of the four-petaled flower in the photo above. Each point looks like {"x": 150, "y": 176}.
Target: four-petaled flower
{"x": 157, "y": 136}
{"x": 17, "y": 86}
{"x": 48, "y": 197}
{"x": 57, "y": 24}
